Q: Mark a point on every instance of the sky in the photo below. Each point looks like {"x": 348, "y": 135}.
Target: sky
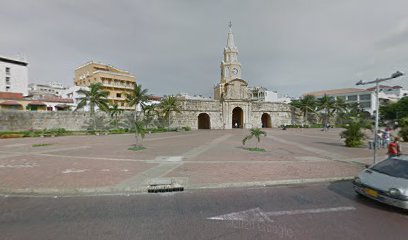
{"x": 176, "y": 46}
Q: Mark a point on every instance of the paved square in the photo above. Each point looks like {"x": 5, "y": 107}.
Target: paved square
{"x": 197, "y": 159}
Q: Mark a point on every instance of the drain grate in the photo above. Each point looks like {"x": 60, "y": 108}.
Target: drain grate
{"x": 165, "y": 188}
{"x": 164, "y": 185}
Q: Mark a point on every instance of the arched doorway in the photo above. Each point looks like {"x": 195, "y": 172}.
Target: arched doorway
{"x": 266, "y": 121}
{"x": 204, "y": 121}
{"x": 237, "y": 118}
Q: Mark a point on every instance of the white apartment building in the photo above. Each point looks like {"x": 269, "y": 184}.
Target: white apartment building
{"x": 262, "y": 94}
{"x": 366, "y": 98}
{"x": 52, "y": 88}
{"x": 13, "y": 75}
{"x": 74, "y": 94}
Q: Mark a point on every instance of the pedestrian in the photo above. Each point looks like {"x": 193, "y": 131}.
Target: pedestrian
{"x": 379, "y": 139}
{"x": 394, "y": 148}
{"x": 386, "y": 137}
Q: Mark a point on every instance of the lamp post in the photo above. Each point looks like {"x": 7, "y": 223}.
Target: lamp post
{"x": 377, "y": 81}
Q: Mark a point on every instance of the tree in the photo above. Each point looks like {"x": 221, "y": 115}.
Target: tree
{"x": 114, "y": 112}
{"x": 254, "y": 132}
{"x": 395, "y": 111}
{"x": 403, "y": 133}
{"x": 167, "y": 105}
{"x": 306, "y": 105}
{"x": 94, "y": 97}
{"x": 339, "y": 107}
{"x": 326, "y": 104}
{"x": 137, "y": 97}
{"x": 353, "y": 134}
{"x": 150, "y": 113}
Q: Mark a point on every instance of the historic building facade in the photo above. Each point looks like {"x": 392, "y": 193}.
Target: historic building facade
{"x": 115, "y": 81}
{"x": 232, "y": 106}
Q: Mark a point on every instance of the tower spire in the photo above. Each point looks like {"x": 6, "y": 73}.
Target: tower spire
{"x": 230, "y": 39}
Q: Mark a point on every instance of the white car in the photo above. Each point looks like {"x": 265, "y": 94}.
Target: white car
{"x": 386, "y": 182}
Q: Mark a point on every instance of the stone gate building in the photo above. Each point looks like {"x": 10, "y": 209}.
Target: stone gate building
{"x": 232, "y": 106}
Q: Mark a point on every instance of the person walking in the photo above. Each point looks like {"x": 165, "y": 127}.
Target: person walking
{"x": 386, "y": 137}
{"x": 394, "y": 148}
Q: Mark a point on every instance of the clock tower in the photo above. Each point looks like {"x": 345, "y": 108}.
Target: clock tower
{"x": 230, "y": 66}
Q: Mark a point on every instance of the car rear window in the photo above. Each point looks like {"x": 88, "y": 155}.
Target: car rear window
{"x": 392, "y": 167}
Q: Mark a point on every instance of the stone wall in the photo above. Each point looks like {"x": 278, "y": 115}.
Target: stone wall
{"x": 220, "y": 113}
{"x": 280, "y": 113}
{"x": 25, "y": 120}
{"x": 220, "y": 116}
{"x": 192, "y": 108}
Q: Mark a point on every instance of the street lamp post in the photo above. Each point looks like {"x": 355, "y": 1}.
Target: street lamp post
{"x": 377, "y": 81}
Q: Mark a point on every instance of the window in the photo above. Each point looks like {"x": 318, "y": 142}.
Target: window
{"x": 7, "y": 88}
{"x": 365, "y": 97}
{"x": 8, "y": 80}
{"x": 118, "y": 95}
{"x": 365, "y": 104}
{"x": 7, "y": 70}
{"x": 352, "y": 98}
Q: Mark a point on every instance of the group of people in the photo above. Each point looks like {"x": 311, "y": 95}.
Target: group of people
{"x": 383, "y": 140}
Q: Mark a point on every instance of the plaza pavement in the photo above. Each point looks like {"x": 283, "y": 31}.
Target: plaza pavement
{"x": 197, "y": 159}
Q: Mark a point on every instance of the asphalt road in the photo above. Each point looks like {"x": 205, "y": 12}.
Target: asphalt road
{"x": 319, "y": 211}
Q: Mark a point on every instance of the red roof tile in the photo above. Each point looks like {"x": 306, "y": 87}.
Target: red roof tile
{"x": 11, "y": 95}
{"x": 10, "y": 103}
{"x": 37, "y": 103}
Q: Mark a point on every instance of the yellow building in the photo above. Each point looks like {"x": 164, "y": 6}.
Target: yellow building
{"x": 117, "y": 82}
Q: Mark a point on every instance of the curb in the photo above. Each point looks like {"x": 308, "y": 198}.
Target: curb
{"x": 114, "y": 191}
{"x": 274, "y": 183}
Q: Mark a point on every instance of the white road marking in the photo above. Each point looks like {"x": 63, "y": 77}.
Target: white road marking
{"x": 257, "y": 215}
{"x": 25, "y": 165}
{"x": 74, "y": 171}
{"x": 306, "y": 211}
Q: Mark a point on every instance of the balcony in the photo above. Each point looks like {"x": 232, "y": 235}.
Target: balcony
{"x": 117, "y": 85}
{"x": 117, "y": 98}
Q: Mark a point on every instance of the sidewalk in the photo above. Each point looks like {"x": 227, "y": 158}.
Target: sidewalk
{"x": 198, "y": 159}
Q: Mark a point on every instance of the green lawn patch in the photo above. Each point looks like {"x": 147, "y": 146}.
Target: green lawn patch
{"x": 136, "y": 148}
{"x": 255, "y": 149}
{"x": 42, "y": 145}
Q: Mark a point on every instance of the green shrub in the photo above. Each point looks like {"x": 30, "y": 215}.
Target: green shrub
{"x": 403, "y": 133}
{"x": 56, "y": 131}
{"x": 187, "y": 128}
{"x": 118, "y": 131}
{"x": 353, "y": 135}
{"x": 12, "y": 135}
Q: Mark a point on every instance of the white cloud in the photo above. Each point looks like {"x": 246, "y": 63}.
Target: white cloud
{"x": 176, "y": 45}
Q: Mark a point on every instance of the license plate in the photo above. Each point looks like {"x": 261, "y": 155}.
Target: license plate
{"x": 371, "y": 192}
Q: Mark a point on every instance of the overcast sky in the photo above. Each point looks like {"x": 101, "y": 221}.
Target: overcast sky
{"x": 172, "y": 46}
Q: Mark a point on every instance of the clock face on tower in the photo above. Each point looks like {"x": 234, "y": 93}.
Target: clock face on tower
{"x": 234, "y": 71}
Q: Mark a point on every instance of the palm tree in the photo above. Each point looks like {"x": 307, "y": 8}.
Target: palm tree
{"x": 307, "y": 105}
{"x": 94, "y": 97}
{"x": 149, "y": 112}
{"x": 339, "y": 106}
{"x": 114, "y": 112}
{"x": 254, "y": 132}
{"x": 137, "y": 97}
{"x": 167, "y": 105}
{"x": 326, "y": 103}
